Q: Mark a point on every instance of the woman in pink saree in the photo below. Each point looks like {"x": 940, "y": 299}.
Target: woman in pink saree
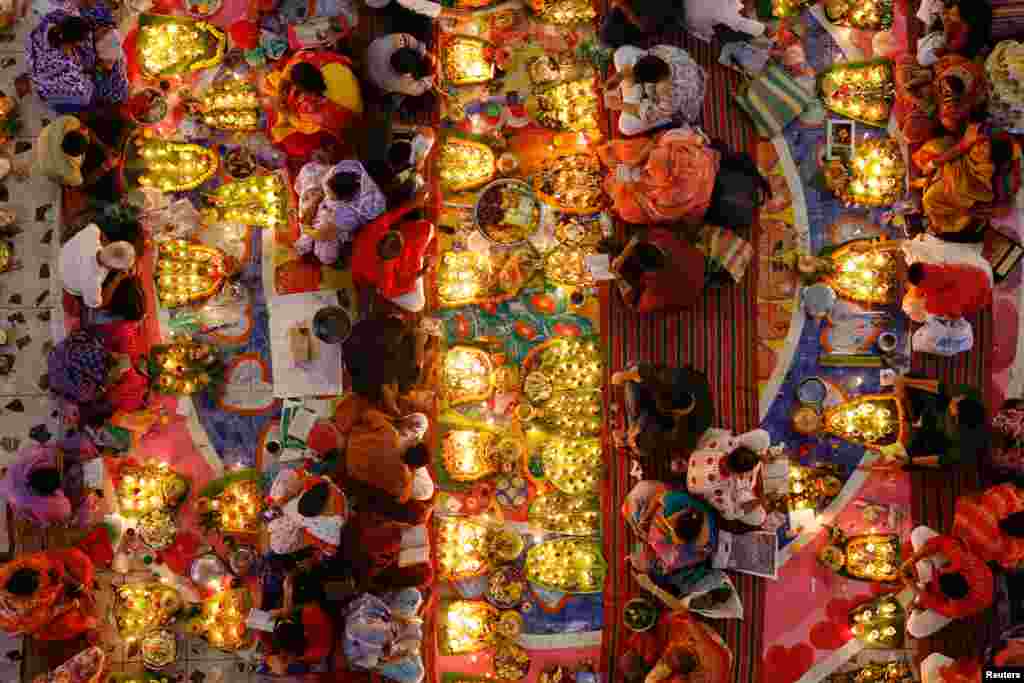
{"x": 665, "y": 179}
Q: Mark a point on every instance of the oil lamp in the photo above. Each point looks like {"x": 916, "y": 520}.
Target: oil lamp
{"x": 811, "y": 488}
{"x": 866, "y": 15}
{"x": 467, "y": 547}
{"x": 884, "y": 672}
{"x": 879, "y": 624}
{"x": 564, "y": 12}
{"x": 466, "y": 60}
{"x": 172, "y": 166}
{"x": 174, "y": 45}
{"x": 864, "y": 274}
{"x": 184, "y": 367}
{"x": 232, "y": 104}
{"x": 869, "y": 420}
{"x": 263, "y": 200}
{"x": 568, "y": 565}
{"x": 467, "y": 374}
{"x": 238, "y": 507}
{"x": 469, "y": 626}
{"x": 574, "y": 467}
{"x": 860, "y": 90}
{"x": 789, "y": 8}
{"x": 463, "y": 277}
{"x": 570, "y": 105}
{"x": 465, "y": 165}
{"x": 142, "y": 489}
{"x": 221, "y": 620}
{"x": 566, "y": 514}
{"x": 867, "y": 557}
{"x": 567, "y": 267}
{"x": 188, "y": 273}
{"x": 574, "y": 183}
{"x": 470, "y": 455}
{"x": 141, "y": 608}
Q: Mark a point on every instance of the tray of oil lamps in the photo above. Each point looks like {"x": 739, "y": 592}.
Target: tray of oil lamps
{"x": 159, "y": 649}
{"x": 466, "y": 60}
{"x": 157, "y": 529}
{"x": 575, "y": 230}
{"x": 6, "y": 256}
{"x": 506, "y": 588}
{"x": 568, "y": 267}
{"x": 573, "y": 183}
{"x": 511, "y": 662}
{"x": 507, "y": 212}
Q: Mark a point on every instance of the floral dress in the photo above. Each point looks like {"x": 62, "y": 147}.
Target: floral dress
{"x": 79, "y": 81}
{"x": 335, "y": 221}
{"x": 384, "y": 634}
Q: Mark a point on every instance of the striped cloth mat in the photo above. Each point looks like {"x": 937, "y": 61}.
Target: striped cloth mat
{"x": 1007, "y": 19}
{"x": 935, "y": 492}
{"x": 717, "y": 337}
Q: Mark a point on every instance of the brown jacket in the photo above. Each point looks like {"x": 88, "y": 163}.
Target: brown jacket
{"x": 372, "y": 451}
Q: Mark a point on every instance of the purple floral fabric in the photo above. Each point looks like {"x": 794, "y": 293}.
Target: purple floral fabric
{"x": 71, "y": 83}
{"x": 78, "y": 368}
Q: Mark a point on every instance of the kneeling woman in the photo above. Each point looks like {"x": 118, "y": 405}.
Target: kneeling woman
{"x": 695, "y": 653}
{"x": 302, "y": 636}
{"x": 679, "y": 532}
{"x": 47, "y": 595}
{"x": 66, "y": 68}
{"x": 316, "y": 97}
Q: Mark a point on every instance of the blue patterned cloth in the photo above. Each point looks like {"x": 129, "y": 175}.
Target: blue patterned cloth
{"x": 385, "y": 635}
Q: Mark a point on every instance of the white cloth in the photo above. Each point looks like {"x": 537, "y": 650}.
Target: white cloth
{"x": 932, "y": 665}
{"x": 80, "y": 269}
{"x": 422, "y": 484}
{"x": 682, "y": 94}
{"x": 380, "y": 71}
{"x": 930, "y": 249}
{"x": 927, "y": 46}
{"x": 413, "y": 301}
{"x": 702, "y": 15}
{"x": 924, "y": 622}
{"x": 427, "y": 8}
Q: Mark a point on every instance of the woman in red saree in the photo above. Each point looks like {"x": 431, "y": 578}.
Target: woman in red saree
{"x": 316, "y": 97}
{"x": 47, "y": 595}
{"x": 665, "y": 179}
{"x": 695, "y": 654}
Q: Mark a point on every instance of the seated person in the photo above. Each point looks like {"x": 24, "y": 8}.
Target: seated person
{"x": 399, "y": 170}
{"x": 651, "y": 88}
{"x": 317, "y": 96}
{"x": 334, "y": 202}
{"x": 39, "y": 485}
{"x": 678, "y": 532}
{"x": 950, "y": 582}
{"x": 93, "y": 380}
{"x": 311, "y": 512}
{"x": 48, "y": 595}
{"x": 389, "y": 255}
{"x": 385, "y": 635}
{"x": 383, "y": 454}
{"x": 726, "y": 472}
{"x": 62, "y": 151}
{"x": 702, "y": 17}
{"x": 991, "y": 524}
{"x": 667, "y": 409}
{"x": 398, "y": 63}
{"x": 629, "y": 22}
{"x": 669, "y": 178}
{"x": 949, "y": 290}
{"x": 302, "y": 635}
{"x": 658, "y": 272}
{"x": 693, "y": 652}
{"x": 947, "y": 425}
{"x": 70, "y": 63}
{"x": 85, "y": 262}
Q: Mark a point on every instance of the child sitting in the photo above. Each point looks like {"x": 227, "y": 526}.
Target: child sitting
{"x": 727, "y": 473}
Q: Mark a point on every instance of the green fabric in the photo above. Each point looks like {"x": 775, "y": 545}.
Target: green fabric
{"x": 50, "y": 159}
{"x": 773, "y": 100}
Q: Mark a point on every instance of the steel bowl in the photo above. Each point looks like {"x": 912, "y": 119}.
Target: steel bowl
{"x": 207, "y": 569}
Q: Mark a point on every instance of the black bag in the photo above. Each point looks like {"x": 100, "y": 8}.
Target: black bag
{"x": 740, "y": 190}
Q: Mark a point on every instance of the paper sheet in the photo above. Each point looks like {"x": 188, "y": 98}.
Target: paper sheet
{"x": 316, "y": 378}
